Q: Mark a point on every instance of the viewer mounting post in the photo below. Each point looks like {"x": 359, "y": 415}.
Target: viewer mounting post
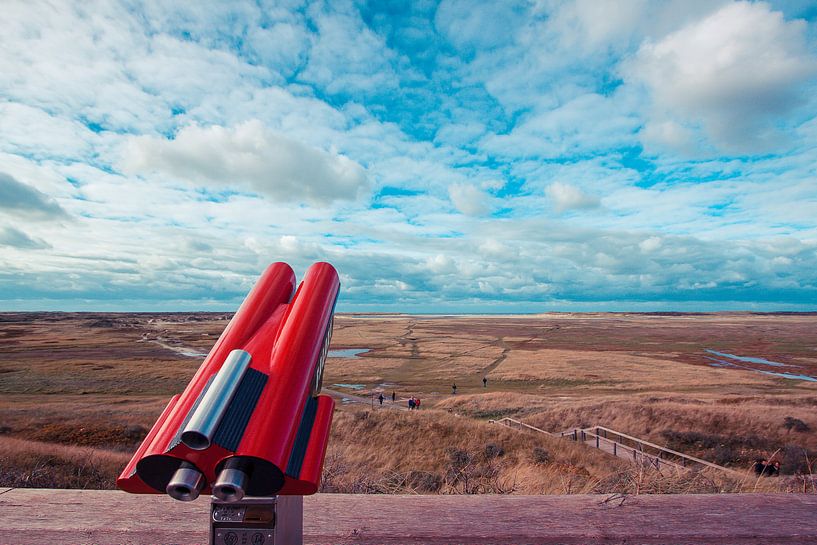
{"x": 251, "y": 427}
{"x": 257, "y": 521}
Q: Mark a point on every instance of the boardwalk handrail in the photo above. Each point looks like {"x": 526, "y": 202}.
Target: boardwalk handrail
{"x": 660, "y": 448}
{"x": 507, "y": 421}
{"x": 638, "y": 454}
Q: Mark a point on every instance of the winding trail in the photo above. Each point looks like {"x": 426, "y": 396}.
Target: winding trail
{"x": 499, "y": 359}
{"x": 351, "y": 398}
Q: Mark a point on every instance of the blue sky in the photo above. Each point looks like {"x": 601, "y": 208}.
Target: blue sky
{"x": 446, "y": 156}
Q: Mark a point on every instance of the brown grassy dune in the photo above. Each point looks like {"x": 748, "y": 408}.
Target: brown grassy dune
{"x": 731, "y": 431}
{"x": 437, "y": 452}
{"x": 35, "y": 464}
{"x": 426, "y": 451}
{"x": 80, "y": 389}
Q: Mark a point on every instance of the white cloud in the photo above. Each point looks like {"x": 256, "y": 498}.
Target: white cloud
{"x": 659, "y": 136}
{"x": 593, "y": 27}
{"x": 584, "y": 124}
{"x": 472, "y": 24}
{"x": 570, "y": 197}
{"x": 588, "y": 24}
{"x": 527, "y": 115}
{"x": 346, "y": 56}
{"x": 252, "y": 156}
{"x": 737, "y": 72}
{"x": 650, "y": 244}
{"x": 469, "y": 199}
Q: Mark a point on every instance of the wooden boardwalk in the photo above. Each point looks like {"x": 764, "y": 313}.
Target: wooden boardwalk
{"x": 621, "y": 445}
{"x": 31, "y": 516}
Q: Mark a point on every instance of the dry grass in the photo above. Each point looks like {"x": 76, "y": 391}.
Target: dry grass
{"x": 109, "y": 422}
{"x": 434, "y": 452}
{"x": 594, "y": 371}
{"x": 100, "y": 380}
{"x": 729, "y": 431}
{"x": 44, "y": 465}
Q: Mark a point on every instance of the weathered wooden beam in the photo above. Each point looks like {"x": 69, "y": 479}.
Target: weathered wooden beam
{"x": 35, "y": 516}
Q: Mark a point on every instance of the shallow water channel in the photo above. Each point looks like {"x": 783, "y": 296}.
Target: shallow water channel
{"x": 350, "y": 353}
{"x": 760, "y": 361}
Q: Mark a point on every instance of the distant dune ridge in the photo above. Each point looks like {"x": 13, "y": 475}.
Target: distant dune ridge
{"x": 79, "y": 391}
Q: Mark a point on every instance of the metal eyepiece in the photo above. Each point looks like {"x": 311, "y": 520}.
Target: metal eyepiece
{"x": 186, "y": 483}
{"x": 231, "y": 484}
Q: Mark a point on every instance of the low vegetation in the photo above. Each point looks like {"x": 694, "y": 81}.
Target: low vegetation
{"x": 80, "y": 391}
{"x": 33, "y": 464}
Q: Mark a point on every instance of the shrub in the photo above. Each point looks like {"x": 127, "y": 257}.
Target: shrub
{"x": 493, "y": 451}
{"x": 797, "y": 460}
{"x": 459, "y": 459}
{"x": 135, "y": 433}
{"x": 724, "y": 455}
{"x": 424, "y": 481}
{"x": 791, "y": 423}
{"x": 540, "y": 455}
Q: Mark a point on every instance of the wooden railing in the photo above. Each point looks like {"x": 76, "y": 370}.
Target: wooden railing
{"x": 664, "y": 453}
{"x": 620, "y": 450}
{"x": 516, "y": 424}
{"x": 621, "y": 445}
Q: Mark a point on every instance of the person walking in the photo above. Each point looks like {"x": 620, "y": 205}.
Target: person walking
{"x": 417, "y": 403}
{"x": 411, "y": 404}
{"x": 484, "y": 382}
{"x": 393, "y": 396}
{"x": 380, "y": 398}
{"x": 454, "y": 388}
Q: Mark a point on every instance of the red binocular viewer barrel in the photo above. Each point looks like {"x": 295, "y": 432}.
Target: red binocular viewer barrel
{"x": 251, "y": 421}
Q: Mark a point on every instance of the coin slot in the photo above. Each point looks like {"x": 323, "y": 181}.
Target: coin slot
{"x": 259, "y": 514}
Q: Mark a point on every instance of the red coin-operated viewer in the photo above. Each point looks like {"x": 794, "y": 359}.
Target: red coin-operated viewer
{"x": 251, "y": 421}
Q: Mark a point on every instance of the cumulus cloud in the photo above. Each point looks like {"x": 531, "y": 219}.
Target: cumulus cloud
{"x": 468, "y": 24}
{"x": 585, "y": 124}
{"x": 252, "y": 156}
{"x": 569, "y": 197}
{"x": 346, "y": 56}
{"x": 469, "y": 199}
{"x": 14, "y": 238}
{"x": 737, "y": 73}
{"x": 456, "y": 109}
{"x": 24, "y": 201}
{"x": 650, "y": 244}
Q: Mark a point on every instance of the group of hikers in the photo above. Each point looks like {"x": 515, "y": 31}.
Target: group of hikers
{"x": 484, "y": 385}
{"x": 766, "y": 468}
{"x": 380, "y": 398}
{"x": 413, "y": 402}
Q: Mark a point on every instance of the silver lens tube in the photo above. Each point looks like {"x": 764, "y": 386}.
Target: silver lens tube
{"x": 186, "y": 483}
{"x": 199, "y": 432}
{"x": 230, "y": 485}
